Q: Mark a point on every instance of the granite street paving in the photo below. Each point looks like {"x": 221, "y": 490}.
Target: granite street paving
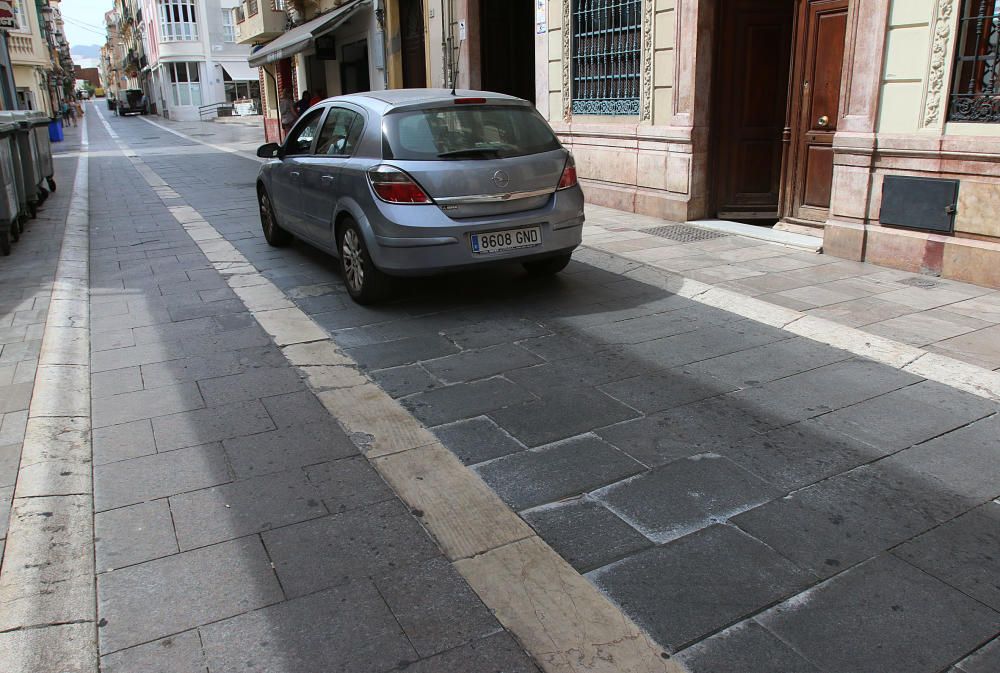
{"x": 756, "y": 501}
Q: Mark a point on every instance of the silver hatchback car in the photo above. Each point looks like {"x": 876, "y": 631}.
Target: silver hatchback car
{"x": 417, "y": 181}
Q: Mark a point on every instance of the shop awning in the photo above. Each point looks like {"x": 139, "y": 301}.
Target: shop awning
{"x": 239, "y": 71}
{"x": 300, "y": 38}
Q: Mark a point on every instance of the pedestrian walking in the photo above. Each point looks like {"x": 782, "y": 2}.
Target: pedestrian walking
{"x": 286, "y": 110}
{"x": 303, "y": 103}
{"x": 318, "y": 97}
{"x": 68, "y": 113}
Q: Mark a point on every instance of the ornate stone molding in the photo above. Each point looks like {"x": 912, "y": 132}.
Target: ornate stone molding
{"x": 937, "y": 77}
{"x": 647, "y": 59}
{"x": 567, "y": 56}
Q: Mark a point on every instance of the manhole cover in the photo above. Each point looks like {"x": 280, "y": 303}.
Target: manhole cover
{"x": 684, "y": 233}
{"x": 919, "y": 281}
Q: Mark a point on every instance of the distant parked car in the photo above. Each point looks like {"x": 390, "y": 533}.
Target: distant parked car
{"x": 131, "y": 101}
{"x": 417, "y": 181}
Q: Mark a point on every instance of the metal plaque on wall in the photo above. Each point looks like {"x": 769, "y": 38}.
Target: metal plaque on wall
{"x": 919, "y": 203}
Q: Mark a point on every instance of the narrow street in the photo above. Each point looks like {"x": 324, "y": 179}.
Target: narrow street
{"x": 284, "y": 481}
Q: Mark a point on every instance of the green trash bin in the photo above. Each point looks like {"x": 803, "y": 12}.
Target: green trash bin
{"x": 30, "y": 169}
{"x": 40, "y": 127}
{"x": 9, "y": 204}
{"x": 9, "y": 119}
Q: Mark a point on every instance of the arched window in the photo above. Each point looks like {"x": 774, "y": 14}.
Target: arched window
{"x": 975, "y": 89}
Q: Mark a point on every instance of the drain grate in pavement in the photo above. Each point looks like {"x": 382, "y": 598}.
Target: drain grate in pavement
{"x": 919, "y": 281}
{"x": 684, "y": 233}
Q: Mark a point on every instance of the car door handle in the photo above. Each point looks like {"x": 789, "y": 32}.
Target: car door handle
{"x": 328, "y": 179}
{"x": 294, "y": 174}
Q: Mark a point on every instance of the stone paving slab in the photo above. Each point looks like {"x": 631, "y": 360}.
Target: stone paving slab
{"x": 700, "y": 583}
{"x": 922, "y": 623}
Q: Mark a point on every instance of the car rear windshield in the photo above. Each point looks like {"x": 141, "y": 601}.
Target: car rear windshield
{"x": 466, "y": 132}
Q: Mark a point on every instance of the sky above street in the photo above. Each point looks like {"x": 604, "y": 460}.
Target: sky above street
{"x": 84, "y": 21}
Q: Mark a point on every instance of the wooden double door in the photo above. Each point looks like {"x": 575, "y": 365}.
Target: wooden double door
{"x": 777, "y": 98}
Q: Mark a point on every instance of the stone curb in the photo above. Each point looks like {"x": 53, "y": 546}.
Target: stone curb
{"x": 48, "y": 621}
{"x": 560, "y": 618}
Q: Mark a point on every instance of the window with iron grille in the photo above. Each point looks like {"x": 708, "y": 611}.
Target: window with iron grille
{"x": 607, "y": 37}
{"x": 252, "y": 8}
{"x": 177, "y": 20}
{"x": 975, "y": 94}
{"x": 278, "y": 5}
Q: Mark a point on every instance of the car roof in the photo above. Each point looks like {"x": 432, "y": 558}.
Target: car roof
{"x": 397, "y": 98}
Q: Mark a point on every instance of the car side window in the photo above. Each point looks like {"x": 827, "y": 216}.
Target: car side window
{"x": 301, "y": 139}
{"x": 340, "y": 133}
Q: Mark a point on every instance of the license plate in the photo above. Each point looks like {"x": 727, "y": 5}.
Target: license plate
{"x": 512, "y": 239}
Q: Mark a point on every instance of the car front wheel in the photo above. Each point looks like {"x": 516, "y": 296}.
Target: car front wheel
{"x": 548, "y": 266}
{"x": 365, "y": 283}
{"x": 273, "y": 234}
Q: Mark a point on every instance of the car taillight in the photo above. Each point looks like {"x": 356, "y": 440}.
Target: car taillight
{"x": 395, "y": 186}
{"x": 568, "y": 178}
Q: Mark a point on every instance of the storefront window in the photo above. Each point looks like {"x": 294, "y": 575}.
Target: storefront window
{"x": 975, "y": 93}
{"x": 607, "y": 36}
{"x": 178, "y": 21}
{"x": 185, "y": 83}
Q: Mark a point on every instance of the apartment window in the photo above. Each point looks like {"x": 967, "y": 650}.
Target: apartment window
{"x": 278, "y": 5}
{"x": 228, "y": 28}
{"x": 607, "y": 37}
{"x": 22, "y": 18}
{"x": 252, "y": 8}
{"x": 975, "y": 95}
{"x": 178, "y": 21}
{"x": 185, "y": 83}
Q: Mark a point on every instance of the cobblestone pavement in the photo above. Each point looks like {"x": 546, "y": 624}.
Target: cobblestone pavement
{"x": 237, "y": 526}
{"x": 25, "y": 288}
{"x": 745, "y": 495}
{"x": 757, "y": 501}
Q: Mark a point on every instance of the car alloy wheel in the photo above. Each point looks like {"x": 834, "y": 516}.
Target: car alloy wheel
{"x": 365, "y": 282}
{"x": 354, "y": 267}
{"x": 273, "y": 234}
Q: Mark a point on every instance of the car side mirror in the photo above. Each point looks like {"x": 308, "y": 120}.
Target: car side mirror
{"x": 269, "y": 151}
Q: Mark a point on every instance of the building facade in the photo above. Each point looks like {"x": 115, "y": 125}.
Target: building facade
{"x": 31, "y": 58}
{"x": 873, "y": 122}
{"x": 325, "y": 47}
{"x": 181, "y": 53}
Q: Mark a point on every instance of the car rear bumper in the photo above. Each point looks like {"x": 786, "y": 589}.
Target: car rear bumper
{"x": 457, "y": 254}
{"x": 420, "y": 240}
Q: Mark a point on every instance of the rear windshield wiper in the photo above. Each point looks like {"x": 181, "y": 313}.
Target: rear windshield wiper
{"x": 491, "y": 152}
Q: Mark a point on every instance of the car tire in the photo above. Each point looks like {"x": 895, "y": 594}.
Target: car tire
{"x": 548, "y": 266}
{"x": 273, "y": 233}
{"x": 365, "y": 282}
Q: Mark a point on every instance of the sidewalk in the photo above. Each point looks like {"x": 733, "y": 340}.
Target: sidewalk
{"x": 626, "y": 468}
{"x": 942, "y": 316}
{"x": 25, "y": 292}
